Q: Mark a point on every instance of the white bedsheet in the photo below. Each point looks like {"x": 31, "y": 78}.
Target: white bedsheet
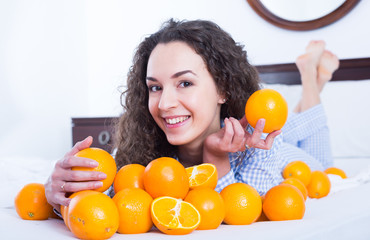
{"x": 343, "y": 214}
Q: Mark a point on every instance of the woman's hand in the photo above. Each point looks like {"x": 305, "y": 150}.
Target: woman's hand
{"x": 254, "y": 140}
{"x": 234, "y": 137}
{"x": 65, "y": 180}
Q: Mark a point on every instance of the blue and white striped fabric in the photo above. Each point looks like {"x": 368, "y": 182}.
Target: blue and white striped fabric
{"x": 304, "y": 137}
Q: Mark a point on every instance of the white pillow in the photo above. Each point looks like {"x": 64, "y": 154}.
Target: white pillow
{"x": 347, "y": 105}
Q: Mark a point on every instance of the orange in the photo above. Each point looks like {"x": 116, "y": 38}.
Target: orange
{"x": 64, "y": 213}
{"x": 92, "y": 215}
{"x": 203, "y": 175}
{"x": 64, "y": 209}
{"x": 174, "y": 216}
{"x": 284, "y": 202}
{"x": 31, "y": 204}
{"x": 134, "y": 210}
{"x": 166, "y": 176}
{"x": 106, "y": 165}
{"x": 210, "y": 206}
{"x": 129, "y": 176}
{"x": 269, "y": 105}
{"x": 298, "y": 169}
{"x": 243, "y": 204}
{"x": 336, "y": 171}
{"x": 298, "y": 184}
{"x": 319, "y": 185}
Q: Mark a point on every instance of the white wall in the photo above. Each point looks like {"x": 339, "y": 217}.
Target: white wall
{"x": 43, "y": 74}
{"x": 63, "y": 59}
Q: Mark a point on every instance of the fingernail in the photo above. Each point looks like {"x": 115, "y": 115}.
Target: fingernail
{"x": 261, "y": 122}
{"x": 98, "y": 184}
{"x": 94, "y": 164}
{"x": 102, "y": 175}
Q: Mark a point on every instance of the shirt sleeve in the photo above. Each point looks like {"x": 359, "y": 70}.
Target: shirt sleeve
{"x": 307, "y": 138}
{"x": 256, "y": 167}
{"x": 301, "y": 125}
{"x": 228, "y": 179}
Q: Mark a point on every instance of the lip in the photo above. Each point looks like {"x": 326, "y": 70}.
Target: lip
{"x": 177, "y": 124}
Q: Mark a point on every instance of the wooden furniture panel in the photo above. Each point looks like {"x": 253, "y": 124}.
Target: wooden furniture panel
{"x": 287, "y": 73}
{"x": 101, "y": 129}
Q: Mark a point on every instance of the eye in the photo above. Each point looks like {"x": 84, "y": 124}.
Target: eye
{"x": 185, "y": 84}
{"x": 154, "y": 88}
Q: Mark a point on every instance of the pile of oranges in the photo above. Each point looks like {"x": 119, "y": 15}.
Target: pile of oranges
{"x": 286, "y": 201}
{"x": 175, "y": 199}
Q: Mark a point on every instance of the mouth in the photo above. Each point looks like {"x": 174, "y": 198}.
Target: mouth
{"x": 175, "y": 121}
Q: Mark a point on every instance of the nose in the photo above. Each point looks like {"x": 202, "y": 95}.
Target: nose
{"x": 168, "y": 99}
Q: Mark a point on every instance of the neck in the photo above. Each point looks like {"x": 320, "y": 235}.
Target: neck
{"x": 191, "y": 155}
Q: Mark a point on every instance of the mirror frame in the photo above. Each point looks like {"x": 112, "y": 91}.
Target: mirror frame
{"x": 338, "y": 13}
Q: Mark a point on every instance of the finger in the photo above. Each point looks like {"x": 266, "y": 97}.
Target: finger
{"x": 78, "y": 176}
{"x": 80, "y": 146}
{"x": 229, "y": 133}
{"x": 257, "y": 133}
{"x": 260, "y": 125}
{"x": 238, "y": 138}
{"x": 247, "y": 139}
{"x": 267, "y": 143}
{"x": 80, "y": 186}
{"x": 73, "y": 161}
{"x": 61, "y": 199}
{"x": 243, "y": 121}
{"x": 270, "y": 138}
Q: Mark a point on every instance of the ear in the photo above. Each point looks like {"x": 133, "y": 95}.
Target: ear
{"x": 222, "y": 100}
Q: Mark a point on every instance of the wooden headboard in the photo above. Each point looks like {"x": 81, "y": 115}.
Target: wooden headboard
{"x": 349, "y": 69}
{"x": 102, "y": 128}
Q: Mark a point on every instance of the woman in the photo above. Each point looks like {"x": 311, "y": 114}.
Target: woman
{"x": 186, "y": 90}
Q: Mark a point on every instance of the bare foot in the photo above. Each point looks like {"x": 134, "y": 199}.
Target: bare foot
{"x": 329, "y": 62}
{"x": 310, "y": 59}
{"x": 307, "y": 65}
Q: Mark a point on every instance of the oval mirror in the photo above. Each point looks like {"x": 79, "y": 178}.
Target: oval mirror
{"x": 302, "y": 15}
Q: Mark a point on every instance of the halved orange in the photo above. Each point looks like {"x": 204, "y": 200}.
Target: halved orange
{"x": 174, "y": 216}
{"x": 203, "y": 175}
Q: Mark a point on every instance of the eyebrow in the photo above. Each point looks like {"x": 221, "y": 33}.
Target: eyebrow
{"x": 176, "y": 75}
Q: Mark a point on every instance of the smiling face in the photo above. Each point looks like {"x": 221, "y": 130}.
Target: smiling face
{"x": 183, "y": 97}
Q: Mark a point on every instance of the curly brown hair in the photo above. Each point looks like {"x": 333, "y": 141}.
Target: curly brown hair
{"x": 138, "y": 138}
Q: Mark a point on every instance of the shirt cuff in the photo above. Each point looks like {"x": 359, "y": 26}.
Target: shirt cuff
{"x": 57, "y": 213}
{"x": 226, "y": 180}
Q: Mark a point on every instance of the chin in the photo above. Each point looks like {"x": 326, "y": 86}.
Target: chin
{"x": 177, "y": 141}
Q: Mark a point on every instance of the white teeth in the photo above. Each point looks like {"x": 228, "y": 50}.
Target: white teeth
{"x": 176, "y": 120}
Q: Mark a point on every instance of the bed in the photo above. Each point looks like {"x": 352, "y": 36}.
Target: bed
{"x": 343, "y": 214}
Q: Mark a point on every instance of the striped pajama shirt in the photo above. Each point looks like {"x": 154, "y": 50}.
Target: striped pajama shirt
{"x": 304, "y": 137}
